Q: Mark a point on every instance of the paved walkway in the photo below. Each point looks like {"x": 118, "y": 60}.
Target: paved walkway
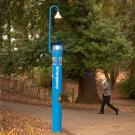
{"x": 82, "y": 122}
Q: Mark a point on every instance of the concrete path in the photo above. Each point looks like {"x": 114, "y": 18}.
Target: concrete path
{"x": 82, "y": 122}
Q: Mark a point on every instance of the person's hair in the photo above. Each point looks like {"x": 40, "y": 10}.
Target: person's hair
{"x": 104, "y": 81}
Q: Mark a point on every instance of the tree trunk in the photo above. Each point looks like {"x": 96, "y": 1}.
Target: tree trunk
{"x": 106, "y": 75}
{"x": 132, "y": 69}
{"x": 87, "y": 90}
{"x": 113, "y": 76}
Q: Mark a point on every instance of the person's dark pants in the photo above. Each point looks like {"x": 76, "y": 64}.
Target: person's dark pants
{"x": 106, "y": 100}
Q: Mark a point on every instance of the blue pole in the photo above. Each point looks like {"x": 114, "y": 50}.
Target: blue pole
{"x": 56, "y": 77}
{"x": 56, "y": 88}
{"x": 49, "y": 26}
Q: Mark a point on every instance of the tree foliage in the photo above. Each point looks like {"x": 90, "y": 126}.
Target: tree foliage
{"x": 93, "y": 42}
{"x": 90, "y": 39}
{"x": 127, "y": 87}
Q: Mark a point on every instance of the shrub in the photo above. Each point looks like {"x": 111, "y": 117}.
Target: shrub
{"x": 44, "y": 76}
{"x": 65, "y": 97}
{"x": 128, "y": 87}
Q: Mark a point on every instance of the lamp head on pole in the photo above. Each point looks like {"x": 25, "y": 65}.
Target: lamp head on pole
{"x": 57, "y": 16}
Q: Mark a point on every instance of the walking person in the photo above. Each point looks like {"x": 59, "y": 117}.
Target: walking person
{"x": 106, "y": 97}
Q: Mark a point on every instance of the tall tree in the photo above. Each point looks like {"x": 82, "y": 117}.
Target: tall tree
{"x": 115, "y": 10}
{"x": 129, "y": 27}
{"x": 92, "y": 43}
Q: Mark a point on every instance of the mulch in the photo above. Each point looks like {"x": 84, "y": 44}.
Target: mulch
{"x": 14, "y": 123}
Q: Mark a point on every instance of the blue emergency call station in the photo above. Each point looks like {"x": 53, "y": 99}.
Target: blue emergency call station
{"x": 56, "y": 51}
{"x": 56, "y": 87}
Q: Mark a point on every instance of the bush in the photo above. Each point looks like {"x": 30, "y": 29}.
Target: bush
{"x": 128, "y": 87}
{"x": 65, "y": 97}
{"x": 44, "y": 76}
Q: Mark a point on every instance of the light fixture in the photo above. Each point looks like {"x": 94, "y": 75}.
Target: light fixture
{"x": 57, "y": 16}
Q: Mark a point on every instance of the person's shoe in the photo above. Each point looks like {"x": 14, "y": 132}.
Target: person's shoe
{"x": 100, "y": 112}
{"x": 117, "y": 111}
